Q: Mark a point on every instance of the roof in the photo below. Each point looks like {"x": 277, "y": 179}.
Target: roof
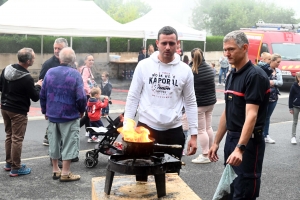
{"x": 80, "y": 18}
{"x": 60, "y": 18}
{"x": 154, "y": 20}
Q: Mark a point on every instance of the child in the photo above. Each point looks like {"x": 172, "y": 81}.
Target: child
{"x": 94, "y": 106}
{"x": 186, "y": 59}
{"x": 106, "y": 88}
{"x": 294, "y": 105}
{"x": 264, "y": 63}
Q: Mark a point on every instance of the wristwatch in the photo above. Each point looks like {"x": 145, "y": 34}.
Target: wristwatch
{"x": 242, "y": 147}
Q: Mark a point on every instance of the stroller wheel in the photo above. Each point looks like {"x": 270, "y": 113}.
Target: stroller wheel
{"x": 90, "y": 162}
{"x": 91, "y": 154}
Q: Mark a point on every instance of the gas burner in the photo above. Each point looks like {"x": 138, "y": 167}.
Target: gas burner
{"x": 137, "y": 162}
{"x": 157, "y": 165}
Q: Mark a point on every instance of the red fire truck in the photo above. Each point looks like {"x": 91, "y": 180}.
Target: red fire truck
{"x": 283, "y": 39}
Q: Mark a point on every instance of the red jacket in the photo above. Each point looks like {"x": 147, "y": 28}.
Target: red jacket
{"x": 94, "y": 108}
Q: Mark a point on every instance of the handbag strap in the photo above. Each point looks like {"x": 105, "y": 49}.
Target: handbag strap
{"x": 91, "y": 75}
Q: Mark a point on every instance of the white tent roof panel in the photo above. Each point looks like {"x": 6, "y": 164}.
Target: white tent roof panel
{"x": 61, "y": 18}
{"x": 154, "y": 20}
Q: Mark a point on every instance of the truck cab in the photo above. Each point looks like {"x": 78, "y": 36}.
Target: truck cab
{"x": 276, "y": 38}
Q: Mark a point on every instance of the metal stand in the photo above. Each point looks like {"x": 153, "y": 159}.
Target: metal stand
{"x": 160, "y": 182}
{"x": 141, "y": 178}
{"x": 108, "y": 181}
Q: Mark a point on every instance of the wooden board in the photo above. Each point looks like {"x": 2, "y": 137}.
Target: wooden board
{"x": 126, "y": 188}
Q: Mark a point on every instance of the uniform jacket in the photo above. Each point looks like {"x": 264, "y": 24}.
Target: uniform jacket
{"x": 248, "y": 85}
{"x": 48, "y": 64}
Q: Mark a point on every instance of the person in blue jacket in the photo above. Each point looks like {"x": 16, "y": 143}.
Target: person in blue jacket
{"x": 142, "y": 54}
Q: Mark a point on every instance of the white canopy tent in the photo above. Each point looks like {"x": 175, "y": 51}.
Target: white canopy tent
{"x": 83, "y": 19}
{"x": 155, "y": 20}
{"x": 61, "y": 18}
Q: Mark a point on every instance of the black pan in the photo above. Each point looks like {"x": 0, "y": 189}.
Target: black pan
{"x": 143, "y": 148}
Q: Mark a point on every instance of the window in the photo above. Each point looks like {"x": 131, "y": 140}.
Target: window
{"x": 288, "y": 51}
{"x": 264, "y": 48}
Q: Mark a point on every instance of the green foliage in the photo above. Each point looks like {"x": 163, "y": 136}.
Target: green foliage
{"x": 13, "y": 43}
{"x": 2, "y": 2}
{"x": 89, "y": 45}
{"x": 213, "y": 43}
{"x": 124, "y": 12}
{"x": 224, "y": 16}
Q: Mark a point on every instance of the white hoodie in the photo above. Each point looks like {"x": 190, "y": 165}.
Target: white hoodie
{"x": 161, "y": 90}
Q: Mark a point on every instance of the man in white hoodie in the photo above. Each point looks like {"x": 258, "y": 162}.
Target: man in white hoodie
{"x": 160, "y": 87}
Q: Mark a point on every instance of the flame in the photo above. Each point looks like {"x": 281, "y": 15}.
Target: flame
{"x": 131, "y": 134}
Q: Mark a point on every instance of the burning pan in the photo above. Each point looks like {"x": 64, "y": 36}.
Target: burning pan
{"x": 143, "y": 148}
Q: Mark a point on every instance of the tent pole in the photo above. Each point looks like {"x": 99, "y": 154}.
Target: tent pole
{"x": 42, "y": 50}
{"x": 204, "y": 48}
{"x": 108, "y": 48}
{"x": 71, "y": 42}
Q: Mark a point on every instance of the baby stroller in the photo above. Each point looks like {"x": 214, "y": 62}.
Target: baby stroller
{"x": 107, "y": 145}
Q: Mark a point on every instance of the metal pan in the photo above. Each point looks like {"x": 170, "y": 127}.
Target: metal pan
{"x": 143, "y": 148}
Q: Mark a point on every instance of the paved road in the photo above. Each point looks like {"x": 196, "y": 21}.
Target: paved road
{"x": 280, "y": 179}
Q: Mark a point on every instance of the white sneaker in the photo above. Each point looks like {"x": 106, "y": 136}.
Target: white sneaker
{"x": 95, "y": 139}
{"x": 87, "y": 134}
{"x": 201, "y": 160}
{"x": 218, "y": 83}
{"x": 90, "y": 140}
{"x": 293, "y": 140}
{"x": 269, "y": 140}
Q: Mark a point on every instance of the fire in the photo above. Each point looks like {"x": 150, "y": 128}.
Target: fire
{"x": 139, "y": 134}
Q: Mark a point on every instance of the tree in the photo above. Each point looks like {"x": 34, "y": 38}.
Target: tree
{"x": 124, "y": 12}
{"x": 2, "y": 2}
{"x": 222, "y": 16}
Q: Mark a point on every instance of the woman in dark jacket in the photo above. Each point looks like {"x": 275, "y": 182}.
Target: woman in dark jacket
{"x": 294, "y": 105}
{"x": 204, "y": 83}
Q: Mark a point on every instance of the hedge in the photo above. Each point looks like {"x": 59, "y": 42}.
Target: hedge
{"x": 12, "y": 43}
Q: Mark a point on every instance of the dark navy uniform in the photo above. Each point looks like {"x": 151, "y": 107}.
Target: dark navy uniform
{"x": 249, "y": 85}
{"x": 48, "y": 64}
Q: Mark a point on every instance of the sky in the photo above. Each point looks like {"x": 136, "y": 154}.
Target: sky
{"x": 180, "y": 10}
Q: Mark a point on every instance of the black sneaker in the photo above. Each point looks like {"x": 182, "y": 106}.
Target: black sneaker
{"x": 45, "y": 142}
{"x": 75, "y": 159}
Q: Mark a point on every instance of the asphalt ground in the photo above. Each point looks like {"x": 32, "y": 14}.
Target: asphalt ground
{"x": 280, "y": 178}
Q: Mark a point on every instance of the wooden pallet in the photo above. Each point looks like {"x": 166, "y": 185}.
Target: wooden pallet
{"x": 126, "y": 188}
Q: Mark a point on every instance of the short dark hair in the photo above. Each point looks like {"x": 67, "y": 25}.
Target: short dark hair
{"x": 167, "y": 30}
{"x": 25, "y": 54}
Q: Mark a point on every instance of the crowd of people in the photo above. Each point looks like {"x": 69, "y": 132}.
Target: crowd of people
{"x": 174, "y": 99}
{"x": 69, "y": 98}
